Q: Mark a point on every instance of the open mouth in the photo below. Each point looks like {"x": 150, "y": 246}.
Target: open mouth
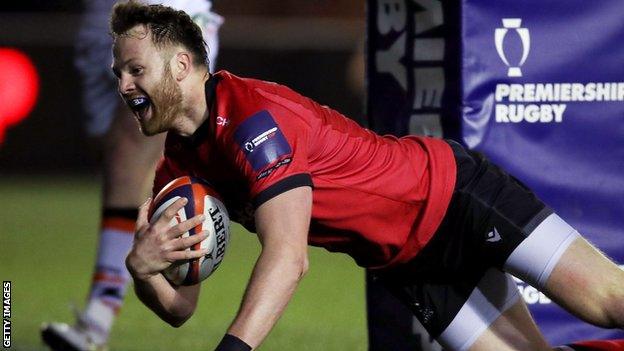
{"x": 139, "y": 106}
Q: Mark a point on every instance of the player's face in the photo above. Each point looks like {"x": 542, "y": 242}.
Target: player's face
{"x": 145, "y": 81}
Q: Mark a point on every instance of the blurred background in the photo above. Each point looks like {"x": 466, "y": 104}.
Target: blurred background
{"x": 307, "y": 46}
{"x": 50, "y": 180}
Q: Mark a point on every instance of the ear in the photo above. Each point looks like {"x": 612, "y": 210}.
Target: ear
{"x": 182, "y": 65}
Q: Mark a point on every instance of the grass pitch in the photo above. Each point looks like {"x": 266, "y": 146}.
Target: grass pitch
{"x": 47, "y": 249}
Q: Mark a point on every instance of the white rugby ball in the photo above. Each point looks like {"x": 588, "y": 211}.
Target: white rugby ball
{"x": 202, "y": 198}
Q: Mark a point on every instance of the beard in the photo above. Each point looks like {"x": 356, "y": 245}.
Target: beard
{"x": 166, "y": 104}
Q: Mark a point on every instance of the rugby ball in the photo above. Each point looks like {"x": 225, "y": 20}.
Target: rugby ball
{"x": 202, "y": 198}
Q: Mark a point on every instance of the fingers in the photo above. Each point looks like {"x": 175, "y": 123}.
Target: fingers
{"x": 171, "y": 211}
{"x": 142, "y": 219}
{"x": 185, "y": 226}
{"x": 189, "y": 241}
{"x": 186, "y": 255}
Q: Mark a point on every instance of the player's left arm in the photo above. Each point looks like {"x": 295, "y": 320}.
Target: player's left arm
{"x": 282, "y": 224}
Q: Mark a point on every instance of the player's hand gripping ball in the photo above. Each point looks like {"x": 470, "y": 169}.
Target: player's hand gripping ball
{"x": 202, "y": 199}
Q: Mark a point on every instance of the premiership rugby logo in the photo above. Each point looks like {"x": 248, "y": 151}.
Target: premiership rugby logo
{"x": 514, "y": 24}
{"x": 538, "y": 102}
{"x": 266, "y": 135}
{"x": 261, "y": 140}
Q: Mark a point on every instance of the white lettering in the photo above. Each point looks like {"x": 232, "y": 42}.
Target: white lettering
{"x": 532, "y": 296}
{"x": 389, "y": 61}
{"x": 602, "y": 91}
{"x": 544, "y": 92}
{"x": 391, "y": 16}
{"x": 590, "y": 92}
{"x": 531, "y": 113}
{"x": 558, "y": 110}
{"x": 502, "y": 91}
{"x": 529, "y": 92}
{"x": 429, "y": 18}
{"x": 515, "y": 115}
{"x": 516, "y": 93}
{"x": 430, "y": 88}
{"x": 546, "y": 114}
{"x": 502, "y": 114}
{"x": 565, "y": 91}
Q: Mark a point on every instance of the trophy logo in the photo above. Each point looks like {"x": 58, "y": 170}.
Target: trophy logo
{"x": 499, "y": 38}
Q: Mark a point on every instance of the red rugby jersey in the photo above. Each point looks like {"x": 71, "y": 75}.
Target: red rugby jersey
{"x": 376, "y": 198}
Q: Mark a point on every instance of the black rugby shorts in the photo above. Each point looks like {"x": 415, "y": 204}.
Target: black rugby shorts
{"x": 489, "y": 215}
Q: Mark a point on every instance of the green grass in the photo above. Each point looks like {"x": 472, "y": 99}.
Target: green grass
{"x": 47, "y": 249}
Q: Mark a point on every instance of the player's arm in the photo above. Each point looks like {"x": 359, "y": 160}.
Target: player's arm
{"x": 156, "y": 246}
{"x": 282, "y": 224}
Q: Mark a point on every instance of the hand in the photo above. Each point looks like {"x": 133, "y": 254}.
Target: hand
{"x": 157, "y": 245}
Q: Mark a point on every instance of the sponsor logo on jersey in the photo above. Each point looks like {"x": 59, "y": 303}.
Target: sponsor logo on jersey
{"x": 261, "y": 140}
{"x": 271, "y": 169}
{"x": 222, "y": 121}
{"x": 539, "y": 102}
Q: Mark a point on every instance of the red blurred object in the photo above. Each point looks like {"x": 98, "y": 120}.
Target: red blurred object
{"x": 599, "y": 345}
{"x": 19, "y": 87}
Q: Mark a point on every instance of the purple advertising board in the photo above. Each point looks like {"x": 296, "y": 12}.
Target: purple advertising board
{"x": 536, "y": 86}
{"x": 543, "y": 96}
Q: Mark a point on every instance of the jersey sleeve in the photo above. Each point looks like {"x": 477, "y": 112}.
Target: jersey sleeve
{"x": 165, "y": 172}
{"x": 270, "y": 150}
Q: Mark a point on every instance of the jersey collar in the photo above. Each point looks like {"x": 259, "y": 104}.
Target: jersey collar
{"x": 204, "y": 129}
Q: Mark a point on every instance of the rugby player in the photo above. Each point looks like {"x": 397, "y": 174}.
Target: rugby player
{"x": 438, "y": 225}
{"x": 129, "y": 160}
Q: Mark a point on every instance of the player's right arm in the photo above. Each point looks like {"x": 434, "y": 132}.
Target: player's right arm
{"x": 156, "y": 246}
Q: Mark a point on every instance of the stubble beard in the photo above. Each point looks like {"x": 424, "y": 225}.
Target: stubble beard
{"x": 166, "y": 105}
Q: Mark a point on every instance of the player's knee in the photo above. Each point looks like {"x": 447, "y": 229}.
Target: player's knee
{"x": 610, "y": 306}
{"x": 615, "y": 308}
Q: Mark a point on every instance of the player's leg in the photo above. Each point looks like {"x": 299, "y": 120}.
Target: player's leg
{"x": 493, "y": 317}
{"x": 129, "y": 163}
{"x": 128, "y": 167}
{"x": 589, "y": 285}
{"x": 101, "y": 102}
{"x": 580, "y": 279}
{"x": 479, "y": 311}
{"x": 515, "y": 329}
{"x": 517, "y": 232}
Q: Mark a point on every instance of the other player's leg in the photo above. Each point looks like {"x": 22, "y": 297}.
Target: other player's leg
{"x": 514, "y": 329}
{"x": 481, "y": 311}
{"x": 129, "y": 162}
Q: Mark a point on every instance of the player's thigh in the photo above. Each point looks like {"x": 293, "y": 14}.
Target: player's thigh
{"x": 494, "y": 317}
{"x": 586, "y": 282}
{"x": 462, "y": 311}
{"x": 93, "y": 60}
{"x": 514, "y": 329}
